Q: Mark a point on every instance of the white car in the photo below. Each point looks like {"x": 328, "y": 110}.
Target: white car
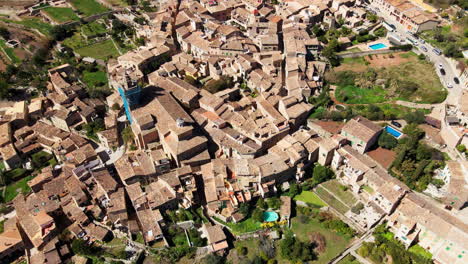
{"x": 449, "y": 85}
{"x": 441, "y": 66}
{"x": 109, "y": 152}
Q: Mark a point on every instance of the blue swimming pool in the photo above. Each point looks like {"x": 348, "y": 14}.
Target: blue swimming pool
{"x": 377, "y": 46}
{"x": 393, "y": 132}
{"x": 270, "y": 216}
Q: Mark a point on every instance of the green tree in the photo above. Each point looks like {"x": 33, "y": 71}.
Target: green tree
{"x": 244, "y": 208}
{"x": 213, "y": 259}
{"x": 329, "y": 52}
{"x": 80, "y": 247}
{"x": 127, "y": 135}
{"x": 321, "y": 174}
{"x": 461, "y": 148}
{"x": 294, "y": 189}
{"x": 453, "y": 50}
{"x": 357, "y": 208}
{"x": 4, "y": 88}
{"x": 257, "y": 215}
{"x": 387, "y": 141}
{"x": 413, "y": 131}
{"x": 262, "y": 204}
{"x": 423, "y": 152}
{"x": 274, "y": 203}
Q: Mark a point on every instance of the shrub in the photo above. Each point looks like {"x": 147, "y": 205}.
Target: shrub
{"x": 461, "y": 148}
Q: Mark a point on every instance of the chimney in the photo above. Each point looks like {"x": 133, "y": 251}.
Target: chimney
{"x": 180, "y": 122}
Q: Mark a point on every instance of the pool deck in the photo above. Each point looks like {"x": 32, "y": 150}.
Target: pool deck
{"x": 365, "y": 46}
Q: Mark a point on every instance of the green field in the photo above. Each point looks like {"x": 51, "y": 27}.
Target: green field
{"x": 88, "y": 7}
{"x": 335, "y": 242}
{"x": 95, "y": 79}
{"x": 33, "y": 23}
{"x": 102, "y": 50}
{"x": 61, "y": 14}
{"x": 93, "y": 29}
{"x": 10, "y": 52}
{"x": 408, "y": 78}
{"x": 354, "y": 95}
{"x": 336, "y": 188}
{"x": 331, "y": 200}
{"x": 310, "y": 198}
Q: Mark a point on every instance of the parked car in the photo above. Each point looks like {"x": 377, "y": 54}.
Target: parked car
{"x": 422, "y": 41}
{"x": 395, "y": 123}
{"x": 441, "y": 66}
{"x": 449, "y": 85}
{"x": 442, "y": 71}
{"x": 424, "y": 48}
{"x": 456, "y": 80}
{"x": 437, "y": 51}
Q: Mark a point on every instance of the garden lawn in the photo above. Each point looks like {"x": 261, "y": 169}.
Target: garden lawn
{"x": 43, "y": 159}
{"x": 418, "y": 250}
{"x": 310, "y": 198}
{"x": 245, "y": 226}
{"x": 354, "y": 95}
{"x": 102, "y": 50}
{"x": 345, "y": 196}
{"x": 2, "y": 226}
{"x": 335, "y": 242}
{"x": 9, "y": 51}
{"x": 12, "y": 189}
{"x": 95, "y": 79}
{"x": 15, "y": 174}
{"x": 331, "y": 200}
{"x": 89, "y": 7}
{"x": 61, "y": 14}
